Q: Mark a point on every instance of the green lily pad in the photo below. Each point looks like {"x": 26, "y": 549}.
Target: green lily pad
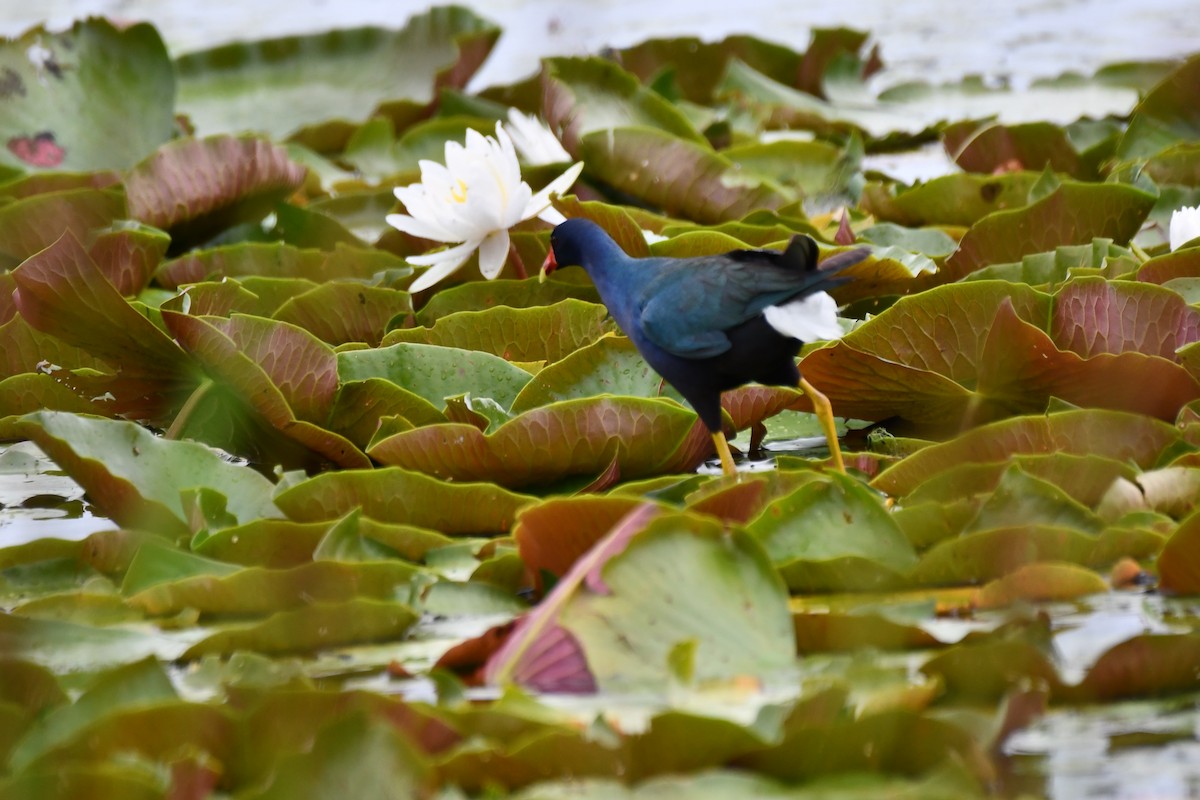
{"x": 387, "y": 495}
{"x": 573, "y": 437}
{"x": 276, "y": 260}
{"x": 338, "y": 313}
{"x": 436, "y": 373}
{"x": 90, "y": 98}
{"x": 833, "y": 535}
{"x": 686, "y": 179}
{"x": 540, "y": 333}
{"x": 590, "y": 95}
{"x": 137, "y": 478}
{"x": 1111, "y": 434}
{"x": 311, "y": 627}
{"x": 1075, "y": 213}
{"x": 259, "y": 590}
{"x": 282, "y": 86}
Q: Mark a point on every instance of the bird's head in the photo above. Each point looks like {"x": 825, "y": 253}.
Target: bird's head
{"x": 572, "y": 241}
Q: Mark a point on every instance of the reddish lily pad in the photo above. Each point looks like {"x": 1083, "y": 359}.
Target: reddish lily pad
{"x": 129, "y": 253}
{"x": 944, "y": 374}
{"x": 553, "y": 535}
{"x": 33, "y": 224}
{"x": 196, "y": 188}
{"x": 283, "y": 373}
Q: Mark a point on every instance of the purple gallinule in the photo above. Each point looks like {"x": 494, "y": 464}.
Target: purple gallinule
{"x": 712, "y": 323}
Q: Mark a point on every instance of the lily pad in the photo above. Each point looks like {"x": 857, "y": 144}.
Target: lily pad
{"x": 833, "y": 535}
{"x": 574, "y": 437}
{"x": 282, "y": 86}
{"x": 93, "y": 97}
{"x": 387, "y": 495}
{"x": 541, "y": 333}
{"x": 137, "y": 478}
{"x": 196, "y": 188}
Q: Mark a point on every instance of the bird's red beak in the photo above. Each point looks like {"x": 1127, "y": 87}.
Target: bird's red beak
{"x": 548, "y": 266}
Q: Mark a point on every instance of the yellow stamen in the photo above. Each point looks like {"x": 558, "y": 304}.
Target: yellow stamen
{"x": 459, "y": 193}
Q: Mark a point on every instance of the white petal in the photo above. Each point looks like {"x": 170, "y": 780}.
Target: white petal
{"x": 808, "y": 319}
{"x": 441, "y": 264}
{"x": 534, "y": 140}
{"x": 1185, "y": 226}
{"x": 552, "y": 215}
{"x": 421, "y": 229}
{"x": 493, "y": 252}
{"x": 541, "y": 201}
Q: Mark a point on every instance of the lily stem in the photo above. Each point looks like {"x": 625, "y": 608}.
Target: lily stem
{"x": 518, "y": 263}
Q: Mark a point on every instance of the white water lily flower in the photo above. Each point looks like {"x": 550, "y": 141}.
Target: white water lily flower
{"x": 1185, "y": 226}
{"x": 534, "y": 140}
{"x": 473, "y": 199}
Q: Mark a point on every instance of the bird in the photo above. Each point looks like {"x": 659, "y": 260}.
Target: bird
{"x": 708, "y": 324}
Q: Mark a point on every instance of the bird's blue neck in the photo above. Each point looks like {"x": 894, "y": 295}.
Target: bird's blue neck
{"x": 618, "y": 279}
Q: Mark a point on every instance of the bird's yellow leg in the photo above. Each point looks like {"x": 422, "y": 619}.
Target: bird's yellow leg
{"x": 824, "y": 412}
{"x": 723, "y": 451}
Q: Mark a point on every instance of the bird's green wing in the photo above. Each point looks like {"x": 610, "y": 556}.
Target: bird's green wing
{"x": 681, "y": 311}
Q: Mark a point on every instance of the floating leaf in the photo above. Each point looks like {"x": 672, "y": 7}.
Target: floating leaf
{"x": 574, "y": 437}
{"x": 959, "y": 199}
{"x": 833, "y": 535}
{"x": 345, "y": 312}
{"x": 436, "y": 373}
{"x": 388, "y": 495}
{"x": 584, "y": 96}
{"x": 35, "y": 223}
{"x": 277, "y": 260}
{"x": 281, "y": 86}
{"x": 90, "y": 98}
{"x": 541, "y": 333}
{"x": 312, "y": 627}
{"x": 1074, "y": 213}
{"x": 680, "y": 177}
{"x": 196, "y": 188}
{"x": 1111, "y": 434}
{"x": 137, "y": 478}
{"x": 1178, "y": 568}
